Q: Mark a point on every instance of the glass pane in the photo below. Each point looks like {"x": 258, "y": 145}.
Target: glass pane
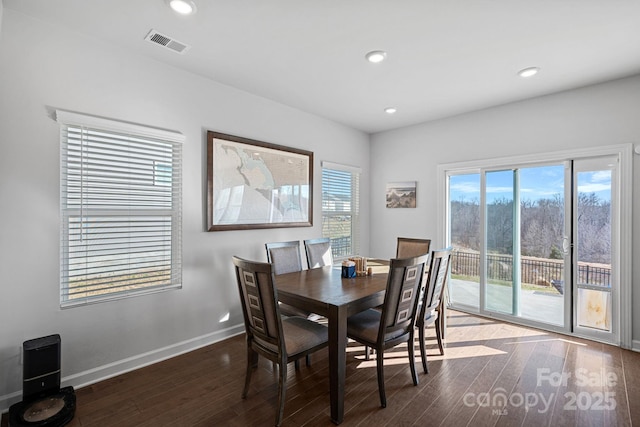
{"x": 541, "y": 243}
{"x": 593, "y": 243}
{"x": 340, "y": 206}
{"x": 464, "y": 208}
{"x": 499, "y": 237}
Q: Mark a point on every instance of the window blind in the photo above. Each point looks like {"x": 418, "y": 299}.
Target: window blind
{"x": 121, "y": 216}
{"x": 341, "y": 208}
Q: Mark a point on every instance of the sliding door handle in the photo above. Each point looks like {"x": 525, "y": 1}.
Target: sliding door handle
{"x": 566, "y": 245}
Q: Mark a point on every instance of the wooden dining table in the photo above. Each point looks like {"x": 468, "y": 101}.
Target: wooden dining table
{"x": 324, "y": 291}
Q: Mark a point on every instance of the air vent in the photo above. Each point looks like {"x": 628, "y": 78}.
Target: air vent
{"x": 166, "y": 41}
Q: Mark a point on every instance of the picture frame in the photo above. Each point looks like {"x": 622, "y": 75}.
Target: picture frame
{"x": 401, "y": 194}
{"x": 253, "y": 184}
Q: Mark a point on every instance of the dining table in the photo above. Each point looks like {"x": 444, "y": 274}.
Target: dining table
{"x": 325, "y": 292}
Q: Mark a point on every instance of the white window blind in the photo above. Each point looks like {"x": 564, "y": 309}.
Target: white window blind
{"x": 341, "y": 208}
{"x": 121, "y": 215}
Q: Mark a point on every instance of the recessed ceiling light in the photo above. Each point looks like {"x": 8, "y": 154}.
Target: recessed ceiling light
{"x": 528, "y": 72}
{"x": 390, "y": 110}
{"x": 376, "y": 56}
{"x": 183, "y": 7}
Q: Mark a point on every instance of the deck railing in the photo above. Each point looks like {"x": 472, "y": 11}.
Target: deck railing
{"x": 532, "y": 270}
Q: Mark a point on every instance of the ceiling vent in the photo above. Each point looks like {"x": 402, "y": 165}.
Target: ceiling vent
{"x": 166, "y": 41}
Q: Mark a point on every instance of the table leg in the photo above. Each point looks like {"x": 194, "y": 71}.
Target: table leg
{"x": 337, "y": 360}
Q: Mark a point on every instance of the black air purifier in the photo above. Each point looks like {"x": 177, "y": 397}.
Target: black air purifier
{"x": 44, "y": 403}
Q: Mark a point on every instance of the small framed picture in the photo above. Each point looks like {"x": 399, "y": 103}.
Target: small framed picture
{"x": 401, "y": 194}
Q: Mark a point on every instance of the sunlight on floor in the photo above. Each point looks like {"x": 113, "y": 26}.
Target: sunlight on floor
{"x": 399, "y": 355}
{"x": 506, "y": 331}
{"x": 550, "y": 339}
{"x": 457, "y": 343}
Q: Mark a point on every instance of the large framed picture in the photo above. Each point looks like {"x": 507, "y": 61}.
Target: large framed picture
{"x": 254, "y": 184}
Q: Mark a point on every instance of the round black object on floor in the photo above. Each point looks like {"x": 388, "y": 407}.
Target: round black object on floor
{"x": 54, "y": 410}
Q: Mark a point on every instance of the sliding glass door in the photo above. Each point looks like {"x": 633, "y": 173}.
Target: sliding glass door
{"x": 520, "y": 234}
{"x": 524, "y": 230}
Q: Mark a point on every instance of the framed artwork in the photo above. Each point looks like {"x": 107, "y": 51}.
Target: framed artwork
{"x": 401, "y": 194}
{"x": 253, "y": 184}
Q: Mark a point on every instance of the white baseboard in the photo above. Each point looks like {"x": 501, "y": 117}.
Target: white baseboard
{"x": 635, "y": 345}
{"x": 110, "y": 370}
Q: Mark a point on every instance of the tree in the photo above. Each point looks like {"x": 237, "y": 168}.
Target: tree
{"x": 500, "y": 226}
{"x": 541, "y": 227}
{"x": 594, "y": 229}
{"x": 465, "y": 224}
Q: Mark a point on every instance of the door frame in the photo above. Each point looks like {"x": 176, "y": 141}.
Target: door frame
{"x": 586, "y": 165}
{"x": 623, "y": 232}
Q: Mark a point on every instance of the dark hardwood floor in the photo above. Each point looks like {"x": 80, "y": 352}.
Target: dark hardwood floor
{"x": 492, "y": 374}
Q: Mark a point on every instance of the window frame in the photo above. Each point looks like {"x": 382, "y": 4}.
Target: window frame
{"x": 125, "y": 206}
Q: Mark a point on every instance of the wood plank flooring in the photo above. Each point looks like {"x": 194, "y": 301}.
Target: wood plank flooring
{"x": 492, "y": 374}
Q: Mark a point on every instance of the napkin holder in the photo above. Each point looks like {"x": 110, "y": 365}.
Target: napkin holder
{"x": 348, "y": 269}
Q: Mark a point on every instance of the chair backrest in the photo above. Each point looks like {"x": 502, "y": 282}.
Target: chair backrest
{"x": 318, "y": 252}
{"x": 285, "y": 256}
{"x": 408, "y": 247}
{"x": 259, "y": 304}
{"x": 401, "y": 297}
{"x": 438, "y": 272}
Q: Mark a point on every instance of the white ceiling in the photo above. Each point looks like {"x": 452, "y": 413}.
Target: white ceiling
{"x": 445, "y": 57}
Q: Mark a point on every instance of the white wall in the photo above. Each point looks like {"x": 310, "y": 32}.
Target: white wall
{"x": 594, "y": 116}
{"x": 43, "y": 68}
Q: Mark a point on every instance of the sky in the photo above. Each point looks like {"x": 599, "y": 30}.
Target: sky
{"x": 541, "y": 182}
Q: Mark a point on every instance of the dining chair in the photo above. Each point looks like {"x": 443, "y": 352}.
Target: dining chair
{"x": 285, "y": 258}
{"x": 409, "y": 247}
{"x": 278, "y": 339}
{"x": 430, "y": 307}
{"x": 406, "y": 248}
{"x": 318, "y": 252}
{"x": 395, "y": 323}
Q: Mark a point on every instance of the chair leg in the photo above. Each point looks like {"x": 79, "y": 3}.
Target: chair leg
{"x": 439, "y": 336}
{"x": 442, "y": 314}
{"x": 412, "y": 361}
{"x": 366, "y": 352}
{"x": 423, "y": 350}
{"x": 252, "y": 361}
{"x": 281, "y": 391}
{"x": 380, "y": 366}
{"x": 296, "y": 364}
{"x": 308, "y": 359}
